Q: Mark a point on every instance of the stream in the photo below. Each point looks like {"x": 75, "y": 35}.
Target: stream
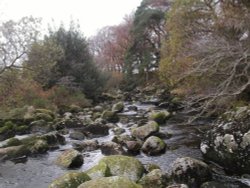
{"x": 39, "y": 171}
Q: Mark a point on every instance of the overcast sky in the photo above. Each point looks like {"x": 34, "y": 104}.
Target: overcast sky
{"x": 92, "y": 14}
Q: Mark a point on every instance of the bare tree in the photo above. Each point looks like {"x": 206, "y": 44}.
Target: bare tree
{"x": 15, "y": 40}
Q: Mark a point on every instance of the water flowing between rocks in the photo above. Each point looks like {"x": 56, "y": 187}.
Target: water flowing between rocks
{"x": 41, "y": 170}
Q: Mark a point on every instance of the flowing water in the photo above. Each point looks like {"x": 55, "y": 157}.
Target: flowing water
{"x": 40, "y": 170}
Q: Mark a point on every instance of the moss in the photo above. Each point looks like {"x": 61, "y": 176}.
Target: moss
{"x": 124, "y": 166}
{"x": 19, "y": 152}
{"x": 159, "y": 117}
{"x": 8, "y": 126}
{"x": 110, "y": 116}
{"x": 13, "y": 142}
{"x": 45, "y": 111}
{"x": 98, "y": 171}
{"x": 22, "y": 128}
{"x": 118, "y": 107}
{"x": 110, "y": 182}
{"x": 70, "y": 180}
{"x": 74, "y": 108}
{"x": 43, "y": 116}
{"x": 39, "y": 146}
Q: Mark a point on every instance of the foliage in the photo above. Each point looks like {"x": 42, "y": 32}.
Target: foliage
{"x": 147, "y": 31}
{"x": 206, "y": 51}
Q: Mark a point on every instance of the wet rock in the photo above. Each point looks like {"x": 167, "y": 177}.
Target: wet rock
{"x": 159, "y": 117}
{"x": 70, "y": 159}
{"x": 154, "y": 146}
{"x": 111, "y": 182}
{"x": 124, "y": 166}
{"x": 40, "y": 146}
{"x": 76, "y": 135}
{"x": 53, "y": 138}
{"x": 110, "y": 116}
{"x": 178, "y": 186}
{"x": 133, "y": 146}
{"x": 154, "y": 179}
{"x": 111, "y": 148}
{"x": 40, "y": 126}
{"x": 191, "y": 171}
{"x": 118, "y": 107}
{"x": 87, "y": 145}
{"x": 70, "y": 180}
{"x": 132, "y": 108}
{"x": 150, "y": 167}
{"x": 97, "y": 129}
{"x": 98, "y": 109}
{"x": 118, "y": 130}
{"x": 228, "y": 143}
{"x": 146, "y": 130}
{"x": 13, "y": 152}
{"x": 121, "y": 139}
{"x": 98, "y": 171}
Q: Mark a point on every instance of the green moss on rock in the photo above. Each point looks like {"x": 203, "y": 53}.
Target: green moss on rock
{"x": 124, "y": 166}
{"x": 110, "y": 182}
{"x": 159, "y": 117}
{"x": 99, "y": 171}
{"x": 70, "y": 158}
{"x": 70, "y": 180}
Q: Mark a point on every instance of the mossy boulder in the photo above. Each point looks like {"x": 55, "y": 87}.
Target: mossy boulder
{"x": 110, "y": 182}
{"x": 53, "y": 138}
{"x": 70, "y": 159}
{"x": 14, "y": 152}
{"x": 154, "y": 146}
{"x": 159, "y": 117}
{"x": 70, "y": 180}
{"x": 43, "y": 116}
{"x": 228, "y": 143}
{"x": 154, "y": 179}
{"x": 118, "y": 107}
{"x": 124, "y": 166}
{"x": 13, "y": 142}
{"x": 45, "y": 111}
{"x": 75, "y": 108}
{"x": 40, "y": 146}
{"x": 146, "y": 130}
{"x": 110, "y": 116}
{"x": 7, "y": 130}
{"x": 22, "y": 129}
{"x": 190, "y": 171}
{"x": 99, "y": 171}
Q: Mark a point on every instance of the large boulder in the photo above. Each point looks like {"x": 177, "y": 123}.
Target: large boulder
{"x": 146, "y": 130}
{"x": 228, "y": 143}
{"x": 154, "y": 179}
{"x": 190, "y": 171}
{"x": 160, "y": 117}
{"x": 111, "y": 148}
{"x": 124, "y": 166}
{"x": 154, "y": 146}
{"x": 70, "y": 159}
{"x": 87, "y": 145}
{"x": 110, "y": 182}
{"x": 39, "y": 146}
{"x": 99, "y": 171}
{"x": 97, "y": 129}
{"x": 70, "y": 180}
{"x": 13, "y": 152}
{"x": 118, "y": 107}
{"x": 110, "y": 116}
{"x": 76, "y": 135}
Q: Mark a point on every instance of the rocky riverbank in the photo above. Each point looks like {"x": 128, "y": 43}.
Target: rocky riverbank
{"x": 140, "y": 139}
